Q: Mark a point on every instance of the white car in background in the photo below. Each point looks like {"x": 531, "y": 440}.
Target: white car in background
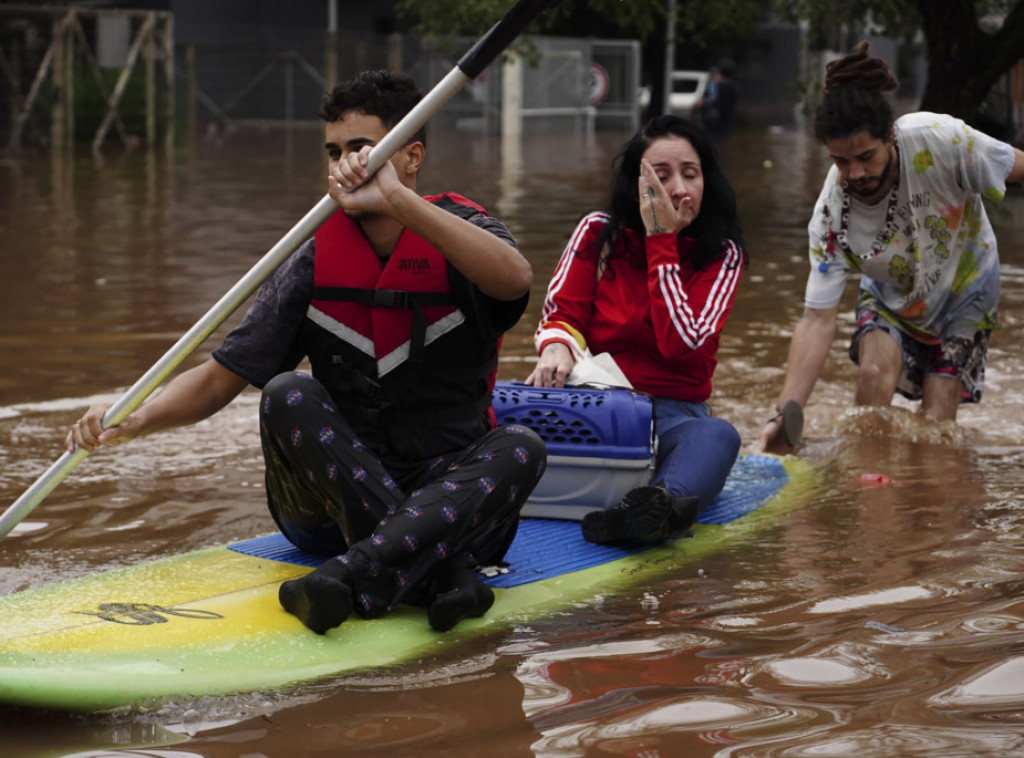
{"x": 688, "y": 88}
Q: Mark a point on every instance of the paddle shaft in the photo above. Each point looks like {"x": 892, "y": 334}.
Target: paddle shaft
{"x": 469, "y": 67}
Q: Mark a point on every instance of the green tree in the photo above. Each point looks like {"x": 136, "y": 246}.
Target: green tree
{"x": 698, "y": 23}
{"x": 644, "y": 19}
{"x": 970, "y": 43}
{"x": 965, "y": 59}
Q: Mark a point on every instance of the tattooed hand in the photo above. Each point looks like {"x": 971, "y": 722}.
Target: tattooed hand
{"x": 656, "y": 208}
{"x": 654, "y": 227}
{"x": 553, "y": 366}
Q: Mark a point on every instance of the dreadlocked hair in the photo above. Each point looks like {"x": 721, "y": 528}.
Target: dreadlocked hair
{"x": 852, "y": 99}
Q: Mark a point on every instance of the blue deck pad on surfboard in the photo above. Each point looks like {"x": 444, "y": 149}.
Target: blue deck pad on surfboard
{"x": 208, "y": 621}
{"x": 544, "y": 548}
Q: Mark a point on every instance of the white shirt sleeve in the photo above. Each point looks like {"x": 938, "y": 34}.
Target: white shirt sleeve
{"x": 828, "y": 268}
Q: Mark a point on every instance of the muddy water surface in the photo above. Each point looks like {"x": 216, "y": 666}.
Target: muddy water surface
{"x": 875, "y": 620}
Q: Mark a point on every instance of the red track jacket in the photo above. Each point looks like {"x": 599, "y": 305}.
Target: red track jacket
{"x": 661, "y": 320}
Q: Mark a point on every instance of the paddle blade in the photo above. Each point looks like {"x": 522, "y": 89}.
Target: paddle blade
{"x": 501, "y": 35}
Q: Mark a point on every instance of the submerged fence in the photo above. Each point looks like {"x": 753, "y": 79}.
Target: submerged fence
{"x": 70, "y": 74}
{"x": 105, "y": 77}
{"x": 263, "y": 81}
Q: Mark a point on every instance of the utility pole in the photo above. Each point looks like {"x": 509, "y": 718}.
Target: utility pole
{"x": 331, "y": 46}
{"x": 670, "y": 53}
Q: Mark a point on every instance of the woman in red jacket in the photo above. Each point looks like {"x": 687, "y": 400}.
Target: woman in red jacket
{"x": 651, "y": 281}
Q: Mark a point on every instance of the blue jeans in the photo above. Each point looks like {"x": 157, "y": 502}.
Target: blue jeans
{"x": 695, "y": 451}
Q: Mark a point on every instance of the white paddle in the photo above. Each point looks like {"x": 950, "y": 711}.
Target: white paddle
{"x": 468, "y": 68}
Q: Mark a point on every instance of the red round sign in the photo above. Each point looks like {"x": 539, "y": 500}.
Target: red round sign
{"x": 597, "y": 84}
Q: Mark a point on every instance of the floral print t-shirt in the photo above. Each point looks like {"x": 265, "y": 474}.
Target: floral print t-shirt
{"x": 936, "y": 271}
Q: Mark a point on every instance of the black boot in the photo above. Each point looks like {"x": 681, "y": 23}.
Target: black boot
{"x": 460, "y": 594}
{"x": 322, "y": 599}
{"x": 646, "y": 515}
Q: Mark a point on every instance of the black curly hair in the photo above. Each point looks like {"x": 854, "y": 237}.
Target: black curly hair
{"x": 388, "y": 95}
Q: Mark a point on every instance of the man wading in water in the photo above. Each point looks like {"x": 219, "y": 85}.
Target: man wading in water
{"x": 902, "y": 205}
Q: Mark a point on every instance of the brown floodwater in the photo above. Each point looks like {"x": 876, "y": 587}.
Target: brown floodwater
{"x": 872, "y": 621}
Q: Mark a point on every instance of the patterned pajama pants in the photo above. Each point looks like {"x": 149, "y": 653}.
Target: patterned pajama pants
{"x": 331, "y": 495}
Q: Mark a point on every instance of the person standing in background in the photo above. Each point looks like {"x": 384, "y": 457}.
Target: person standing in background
{"x": 716, "y": 109}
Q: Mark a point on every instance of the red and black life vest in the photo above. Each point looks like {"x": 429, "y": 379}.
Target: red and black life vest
{"x": 387, "y": 339}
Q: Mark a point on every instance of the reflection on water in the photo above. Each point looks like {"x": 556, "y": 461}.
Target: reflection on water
{"x": 883, "y": 618}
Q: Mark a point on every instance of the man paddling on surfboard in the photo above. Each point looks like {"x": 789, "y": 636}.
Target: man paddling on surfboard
{"x": 901, "y": 206}
{"x": 387, "y": 458}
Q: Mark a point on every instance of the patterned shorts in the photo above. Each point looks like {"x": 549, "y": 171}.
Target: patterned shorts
{"x": 958, "y": 355}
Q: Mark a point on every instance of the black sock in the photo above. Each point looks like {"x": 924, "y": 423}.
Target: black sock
{"x": 322, "y": 599}
{"x": 461, "y": 595}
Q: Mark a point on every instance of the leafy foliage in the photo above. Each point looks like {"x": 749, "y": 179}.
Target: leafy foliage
{"x": 642, "y": 19}
{"x": 825, "y": 18}
{"x": 970, "y": 43}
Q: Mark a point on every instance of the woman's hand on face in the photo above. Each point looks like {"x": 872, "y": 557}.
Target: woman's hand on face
{"x": 553, "y": 366}
{"x": 656, "y": 208}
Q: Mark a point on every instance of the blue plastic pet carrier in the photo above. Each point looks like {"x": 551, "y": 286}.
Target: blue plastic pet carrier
{"x": 600, "y": 444}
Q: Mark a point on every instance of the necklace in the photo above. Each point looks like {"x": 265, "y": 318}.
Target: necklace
{"x": 888, "y": 231}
